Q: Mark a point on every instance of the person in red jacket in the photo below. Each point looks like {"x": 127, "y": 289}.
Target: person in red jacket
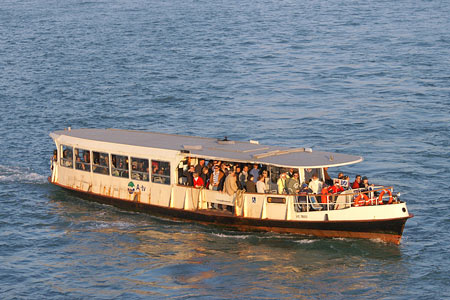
{"x": 357, "y": 182}
{"x": 198, "y": 181}
{"x": 336, "y": 188}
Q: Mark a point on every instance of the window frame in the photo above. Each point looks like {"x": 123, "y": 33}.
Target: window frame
{"x": 142, "y": 175}
{"x": 88, "y": 164}
{"x": 98, "y": 166}
{"x": 66, "y": 162}
{"x": 121, "y": 170}
{"x": 164, "y": 178}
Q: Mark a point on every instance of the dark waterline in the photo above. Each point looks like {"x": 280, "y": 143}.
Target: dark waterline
{"x": 370, "y": 79}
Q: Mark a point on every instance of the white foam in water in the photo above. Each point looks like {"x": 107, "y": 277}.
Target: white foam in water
{"x": 231, "y": 236}
{"x": 18, "y": 174}
{"x": 89, "y": 225}
{"x": 305, "y": 241}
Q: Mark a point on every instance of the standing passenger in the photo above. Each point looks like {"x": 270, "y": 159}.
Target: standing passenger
{"x": 205, "y": 177}
{"x": 290, "y": 174}
{"x": 255, "y": 172}
{"x": 293, "y": 184}
{"x": 308, "y": 174}
{"x": 230, "y": 186}
{"x": 265, "y": 173}
{"x": 250, "y": 186}
{"x": 199, "y": 166}
{"x": 244, "y": 175}
{"x": 215, "y": 178}
{"x": 328, "y": 179}
{"x": 198, "y": 181}
{"x": 315, "y": 185}
{"x": 260, "y": 185}
{"x": 281, "y": 183}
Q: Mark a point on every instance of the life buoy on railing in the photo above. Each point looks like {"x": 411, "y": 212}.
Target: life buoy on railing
{"x": 370, "y": 201}
{"x": 324, "y": 197}
{"x": 380, "y": 198}
{"x": 361, "y": 200}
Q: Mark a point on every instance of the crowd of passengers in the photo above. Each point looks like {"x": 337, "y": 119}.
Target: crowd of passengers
{"x": 229, "y": 178}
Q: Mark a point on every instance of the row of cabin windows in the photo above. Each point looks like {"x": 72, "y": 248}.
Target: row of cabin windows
{"x": 120, "y": 165}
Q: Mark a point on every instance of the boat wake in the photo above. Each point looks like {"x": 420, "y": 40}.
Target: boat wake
{"x": 101, "y": 225}
{"x": 306, "y": 241}
{"x": 20, "y": 174}
{"x": 241, "y": 237}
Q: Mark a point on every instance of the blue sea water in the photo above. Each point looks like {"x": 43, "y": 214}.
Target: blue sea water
{"x": 370, "y": 78}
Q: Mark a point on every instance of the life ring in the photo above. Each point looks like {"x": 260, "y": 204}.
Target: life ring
{"x": 361, "y": 200}
{"x": 324, "y": 197}
{"x": 380, "y": 198}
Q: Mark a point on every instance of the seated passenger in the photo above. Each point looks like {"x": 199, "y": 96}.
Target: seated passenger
{"x": 281, "y": 183}
{"x": 105, "y": 170}
{"x": 365, "y": 183}
{"x": 293, "y": 184}
{"x": 260, "y": 185}
{"x": 315, "y": 185}
{"x": 302, "y": 198}
{"x": 144, "y": 176}
{"x": 345, "y": 183}
{"x": 356, "y": 183}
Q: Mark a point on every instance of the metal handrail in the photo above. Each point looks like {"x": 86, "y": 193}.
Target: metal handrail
{"x": 309, "y": 203}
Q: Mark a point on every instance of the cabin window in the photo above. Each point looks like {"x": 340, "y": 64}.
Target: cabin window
{"x": 83, "y": 160}
{"x": 119, "y": 166}
{"x": 139, "y": 169}
{"x": 66, "y": 156}
{"x": 100, "y": 163}
{"x": 160, "y": 172}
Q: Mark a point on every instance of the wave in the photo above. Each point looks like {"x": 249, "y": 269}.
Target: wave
{"x": 20, "y": 174}
{"x": 242, "y": 237}
{"x": 306, "y": 241}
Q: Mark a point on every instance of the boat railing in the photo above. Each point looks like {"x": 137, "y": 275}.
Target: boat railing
{"x": 305, "y": 202}
{"x": 374, "y": 196}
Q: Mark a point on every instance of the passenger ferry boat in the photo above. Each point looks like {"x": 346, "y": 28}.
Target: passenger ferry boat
{"x": 146, "y": 172}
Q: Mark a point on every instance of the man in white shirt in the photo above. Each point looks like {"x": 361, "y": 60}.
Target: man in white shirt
{"x": 315, "y": 185}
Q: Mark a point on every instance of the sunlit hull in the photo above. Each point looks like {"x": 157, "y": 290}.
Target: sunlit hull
{"x": 386, "y": 230}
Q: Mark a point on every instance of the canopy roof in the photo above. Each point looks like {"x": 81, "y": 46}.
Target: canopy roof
{"x": 211, "y": 148}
